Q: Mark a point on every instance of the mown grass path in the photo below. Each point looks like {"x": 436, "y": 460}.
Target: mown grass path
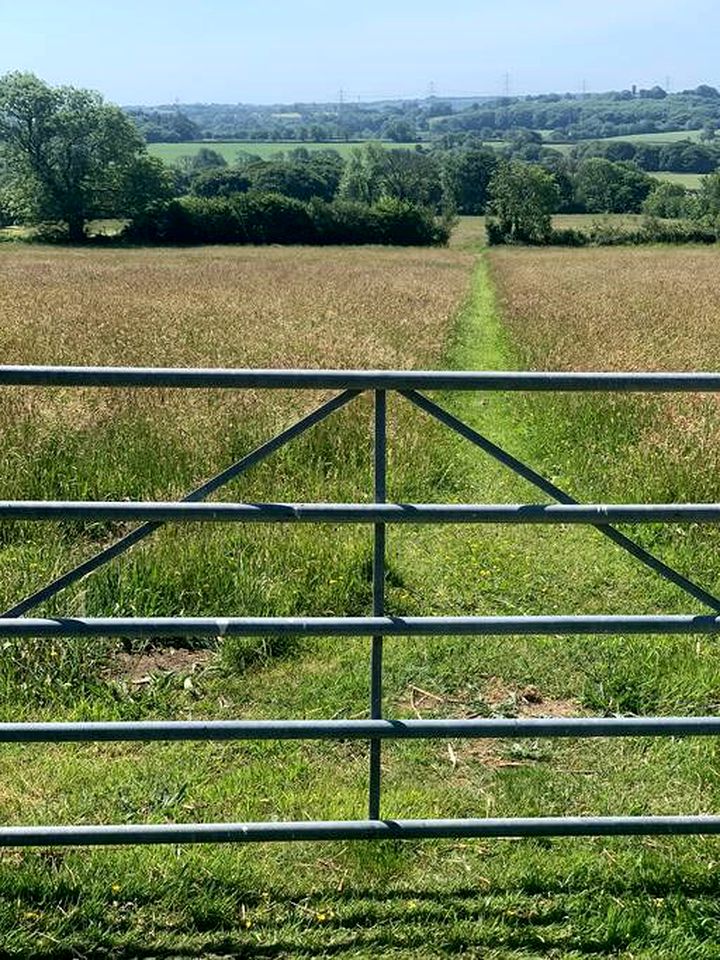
{"x": 500, "y": 899}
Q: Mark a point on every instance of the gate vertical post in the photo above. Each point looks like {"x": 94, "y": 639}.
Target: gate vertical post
{"x": 380, "y": 471}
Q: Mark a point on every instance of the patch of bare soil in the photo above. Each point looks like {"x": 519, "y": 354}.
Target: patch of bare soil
{"x": 140, "y": 668}
{"x": 526, "y": 701}
{"x": 500, "y": 698}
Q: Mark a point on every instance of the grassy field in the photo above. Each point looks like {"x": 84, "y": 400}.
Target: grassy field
{"x": 527, "y": 899}
{"x": 469, "y": 233}
{"x": 225, "y": 307}
{"x": 171, "y": 152}
{"x": 689, "y": 180}
{"x": 670, "y": 136}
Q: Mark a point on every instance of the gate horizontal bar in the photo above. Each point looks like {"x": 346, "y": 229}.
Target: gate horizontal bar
{"x": 476, "y": 728}
{"x": 64, "y": 376}
{"x": 163, "y": 511}
{"x": 354, "y": 626}
{"x": 132, "y": 833}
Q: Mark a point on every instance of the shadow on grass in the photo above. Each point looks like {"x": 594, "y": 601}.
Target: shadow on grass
{"x": 549, "y": 918}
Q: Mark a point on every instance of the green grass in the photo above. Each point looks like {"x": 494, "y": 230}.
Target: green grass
{"x": 689, "y": 180}
{"x": 171, "y": 152}
{"x": 629, "y": 898}
{"x": 670, "y": 136}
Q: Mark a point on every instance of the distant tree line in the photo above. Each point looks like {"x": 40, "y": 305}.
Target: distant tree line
{"x": 68, "y": 157}
{"x": 165, "y": 126}
{"x": 563, "y": 117}
{"x": 524, "y": 196}
{"x": 682, "y": 156}
{"x": 304, "y": 123}
{"x": 576, "y": 117}
{"x": 447, "y": 182}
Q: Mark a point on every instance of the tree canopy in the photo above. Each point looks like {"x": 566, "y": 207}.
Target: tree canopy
{"x": 70, "y": 156}
{"x": 524, "y": 198}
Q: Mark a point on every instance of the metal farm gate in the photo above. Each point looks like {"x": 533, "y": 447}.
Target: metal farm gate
{"x": 380, "y": 623}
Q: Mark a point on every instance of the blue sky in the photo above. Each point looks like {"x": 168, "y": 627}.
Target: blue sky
{"x": 228, "y": 51}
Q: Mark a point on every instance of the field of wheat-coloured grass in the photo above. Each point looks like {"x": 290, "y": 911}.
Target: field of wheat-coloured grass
{"x": 219, "y": 307}
{"x": 625, "y": 309}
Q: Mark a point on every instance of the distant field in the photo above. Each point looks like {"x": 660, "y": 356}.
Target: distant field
{"x": 564, "y": 148}
{"x": 470, "y": 231}
{"x": 584, "y": 221}
{"x": 689, "y": 180}
{"x": 171, "y": 152}
{"x": 671, "y": 136}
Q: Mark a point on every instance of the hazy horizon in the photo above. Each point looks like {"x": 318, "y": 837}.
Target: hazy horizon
{"x": 219, "y": 51}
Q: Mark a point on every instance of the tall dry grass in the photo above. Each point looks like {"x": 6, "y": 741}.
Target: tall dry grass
{"x": 612, "y": 309}
{"x": 276, "y": 307}
{"x": 289, "y": 307}
{"x": 622, "y": 309}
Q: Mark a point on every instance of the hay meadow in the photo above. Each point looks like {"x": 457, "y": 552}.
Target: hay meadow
{"x": 460, "y": 307}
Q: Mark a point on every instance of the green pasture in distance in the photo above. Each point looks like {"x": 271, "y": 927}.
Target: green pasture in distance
{"x": 171, "y": 152}
{"x": 670, "y": 136}
{"x": 689, "y": 180}
{"x": 564, "y": 148}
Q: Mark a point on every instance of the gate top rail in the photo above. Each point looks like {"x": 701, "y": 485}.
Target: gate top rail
{"x": 67, "y": 376}
{"x": 597, "y": 514}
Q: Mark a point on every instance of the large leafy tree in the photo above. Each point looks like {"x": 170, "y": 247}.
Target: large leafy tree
{"x": 605, "y": 187}
{"x": 465, "y": 178}
{"x": 70, "y": 156}
{"x": 524, "y": 197}
{"x": 373, "y": 172}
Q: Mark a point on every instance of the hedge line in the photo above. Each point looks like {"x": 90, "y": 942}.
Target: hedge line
{"x": 608, "y": 235}
{"x": 260, "y": 218}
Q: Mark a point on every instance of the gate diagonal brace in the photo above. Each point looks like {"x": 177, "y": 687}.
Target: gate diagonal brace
{"x": 542, "y": 483}
{"x": 200, "y": 493}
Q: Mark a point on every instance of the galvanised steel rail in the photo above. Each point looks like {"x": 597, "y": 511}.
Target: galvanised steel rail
{"x": 135, "y": 833}
{"x": 479, "y": 728}
{"x": 588, "y": 513}
{"x": 379, "y": 513}
{"x": 159, "y": 627}
{"x": 356, "y": 379}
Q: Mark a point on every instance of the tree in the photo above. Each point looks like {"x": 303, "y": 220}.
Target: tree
{"x": 302, "y": 179}
{"x": 708, "y": 201}
{"x": 372, "y": 172}
{"x": 465, "y": 177}
{"x": 399, "y": 130}
{"x": 605, "y": 187}
{"x": 706, "y": 91}
{"x": 361, "y": 177}
{"x": 208, "y": 159}
{"x": 524, "y": 197}
{"x": 669, "y": 201}
{"x": 70, "y": 155}
{"x": 221, "y": 183}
